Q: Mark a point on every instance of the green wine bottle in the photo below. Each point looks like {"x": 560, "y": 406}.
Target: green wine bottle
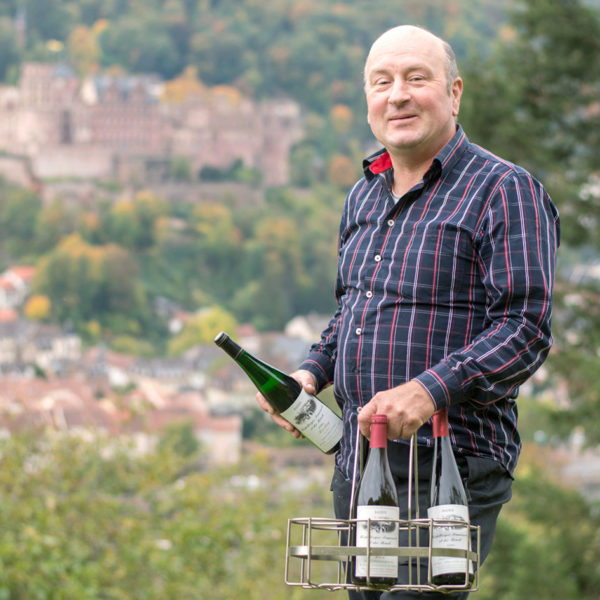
{"x": 309, "y": 415}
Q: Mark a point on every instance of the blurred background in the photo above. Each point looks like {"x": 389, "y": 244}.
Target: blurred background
{"x": 173, "y": 168}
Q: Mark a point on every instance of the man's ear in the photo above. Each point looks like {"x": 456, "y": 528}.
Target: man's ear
{"x": 456, "y": 93}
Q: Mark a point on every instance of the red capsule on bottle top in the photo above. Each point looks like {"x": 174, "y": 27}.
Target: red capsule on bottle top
{"x": 378, "y": 437}
{"x": 379, "y": 419}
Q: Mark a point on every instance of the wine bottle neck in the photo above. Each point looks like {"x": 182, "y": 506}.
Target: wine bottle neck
{"x": 440, "y": 423}
{"x": 228, "y": 345}
{"x": 378, "y": 435}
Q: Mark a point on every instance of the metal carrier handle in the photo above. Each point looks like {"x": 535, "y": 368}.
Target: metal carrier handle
{"x": 319, "y": 558}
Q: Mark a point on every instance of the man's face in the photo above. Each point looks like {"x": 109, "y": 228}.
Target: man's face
{"x": 411, "y": 108}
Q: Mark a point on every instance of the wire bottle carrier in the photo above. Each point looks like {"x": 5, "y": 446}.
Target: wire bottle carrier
{"x": 319, "y": 554}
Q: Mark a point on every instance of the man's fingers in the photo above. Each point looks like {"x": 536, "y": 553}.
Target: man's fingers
{"x": 264, "y": 404}
{"x": 275, "y": 417}
{"x": 306, "y": 380}
{"x": 364, "y": 418}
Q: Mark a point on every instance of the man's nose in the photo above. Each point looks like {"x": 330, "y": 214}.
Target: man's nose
{"x": 398, "y": 92}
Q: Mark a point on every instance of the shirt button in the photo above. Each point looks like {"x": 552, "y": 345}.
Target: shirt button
{"x": 358, "y": 331}
{"x": 369, "y": 294}
{"x": 391, "y": 222}
{"x": 377, "y": 257}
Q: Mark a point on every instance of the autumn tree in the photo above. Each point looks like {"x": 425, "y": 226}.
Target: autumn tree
{"x": 85, "y": 282}
{"x": 282, "y": 271}
{"x": 19, "y": 210}
{"x": 201, "y": 328}
{"x": 38, "y": 307}
{"x": 133, "y": 223}
{"x": 53, "y": 222}
{"x": 341, "y": 118}
{"x": 342, "y": 171}
{"x": 83, "y": 50}
{"x": 218, "y": 244}
{"x": 184, "y": 87}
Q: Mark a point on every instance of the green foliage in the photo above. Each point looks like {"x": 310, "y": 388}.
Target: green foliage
{"x": 91, "y": 518}
{"x": 8, "y": 49}
{"x": 133, "y": 224}
{"x": 257, "y": 425}
{"x": 201, "y": 329}
{"x": 180, "y": 169}
{"x": 575, "y": 359}
{"x": 85, "y": 282}
{"x": 311, "y": 51}
{"x": 48, "y": 19}
{"x": 51, "y": 223}
{"x": 141, "y": 44}
{"x": 181, "y": 439}
{"x": 235, "y": 172}
{"x": 134, "y": 346}
{"x": 546, "y": 544}
{"x": 19, "y": 210}
{"x": 531, "y": 89}
{"x": 534, "y": 102}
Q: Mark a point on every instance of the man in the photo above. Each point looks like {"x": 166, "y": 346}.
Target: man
{"x": 444, "y": 287}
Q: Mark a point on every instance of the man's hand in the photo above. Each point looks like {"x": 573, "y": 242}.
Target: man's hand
{"x": 308, "y": 382}
{"x": 407, "y": 407}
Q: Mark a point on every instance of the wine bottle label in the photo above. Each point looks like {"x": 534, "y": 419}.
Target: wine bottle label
{"x": 315, "y": 420}
{"x": 454, "y": 536}
{"x": 380, "y": 532}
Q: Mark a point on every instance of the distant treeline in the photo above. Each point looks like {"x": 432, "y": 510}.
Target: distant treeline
{"x": 311, "y": 51}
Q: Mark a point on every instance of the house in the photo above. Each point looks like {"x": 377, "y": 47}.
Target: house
{"x": 15, "y": 284}
{"x": 307, "y": 327}
{"x": 75, "y": 403}
{"x": 44, "y": 345}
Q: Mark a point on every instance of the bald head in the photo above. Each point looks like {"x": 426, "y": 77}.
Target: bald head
{"x": 413, "y": 96}
{"x": 403, "y": 35}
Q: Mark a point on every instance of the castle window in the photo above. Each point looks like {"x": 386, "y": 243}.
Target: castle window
{"x": 66, "y": 127}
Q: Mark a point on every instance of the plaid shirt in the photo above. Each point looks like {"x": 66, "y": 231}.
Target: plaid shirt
{"x": 452, "y": 286}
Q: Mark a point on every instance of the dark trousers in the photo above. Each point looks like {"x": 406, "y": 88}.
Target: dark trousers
{"x": 488, "y": 487}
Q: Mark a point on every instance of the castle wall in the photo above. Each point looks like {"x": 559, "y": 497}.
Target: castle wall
{"x": 106, "y": 127}
{"x": 91, "y": 162}
{"x": 14, "y": 169}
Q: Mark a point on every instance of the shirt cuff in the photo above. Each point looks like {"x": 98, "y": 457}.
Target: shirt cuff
{"x": 319, "y": 366}
{"x": 442, "y": 385}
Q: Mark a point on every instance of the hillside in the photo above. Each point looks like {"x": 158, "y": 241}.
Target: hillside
{"x": 106, "y": 266}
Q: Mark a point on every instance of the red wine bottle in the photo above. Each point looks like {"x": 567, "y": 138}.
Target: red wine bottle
{"x": 377, "y": 513}
{"x": 448, "y": 502}
{"x": 309, "y": 415}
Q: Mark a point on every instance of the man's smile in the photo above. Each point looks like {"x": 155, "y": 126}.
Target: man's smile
{"x": 402, "y": 118}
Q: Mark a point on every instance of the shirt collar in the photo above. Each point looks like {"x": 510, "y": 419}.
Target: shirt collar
{"x": 380, "y": 161}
